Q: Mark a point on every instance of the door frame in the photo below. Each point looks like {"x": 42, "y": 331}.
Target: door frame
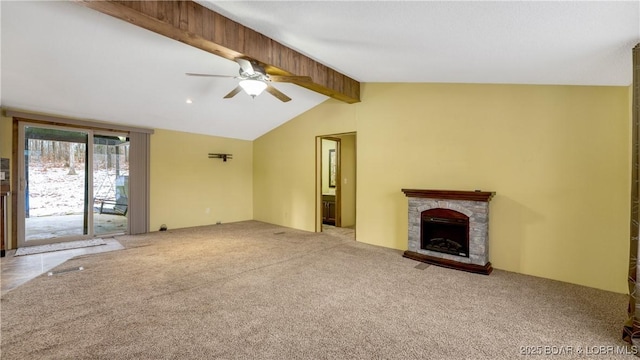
{"x": 20, "y": 189}
{"x": 137, "y": 135}
{"x": 19, "y": 214}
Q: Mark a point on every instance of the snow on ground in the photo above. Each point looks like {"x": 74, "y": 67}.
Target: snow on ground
{"x": 53, "y": 191}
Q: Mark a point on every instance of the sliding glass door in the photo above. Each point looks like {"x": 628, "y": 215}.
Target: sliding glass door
{"x": 110, "y": 184}
{"x": 57, "y": 200}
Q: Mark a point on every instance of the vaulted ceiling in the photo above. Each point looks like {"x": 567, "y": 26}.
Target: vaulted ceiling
{"x": 66, "y": 59}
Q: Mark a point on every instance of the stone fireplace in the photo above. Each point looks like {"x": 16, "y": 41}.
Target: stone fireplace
{"x": 450, "y": 228}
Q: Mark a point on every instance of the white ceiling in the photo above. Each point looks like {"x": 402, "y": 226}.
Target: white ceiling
{"x": 64, "y": 59}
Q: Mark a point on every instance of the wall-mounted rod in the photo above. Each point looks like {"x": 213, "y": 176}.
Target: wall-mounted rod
{"x": 224, "y": 157}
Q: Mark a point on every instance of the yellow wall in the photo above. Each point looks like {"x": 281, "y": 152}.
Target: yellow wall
{"x": 189, "y": 189}
{"x": 6, "y": 126}
{"x": 284, "y": 170}
{"x": 6, "y": 135}
{"x": 557, "y": 156}
{"x": 348, "y": 179}
{"x": 185, "y": 182}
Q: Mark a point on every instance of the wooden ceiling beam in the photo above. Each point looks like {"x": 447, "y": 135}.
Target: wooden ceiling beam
{"x": 195, "y": 25}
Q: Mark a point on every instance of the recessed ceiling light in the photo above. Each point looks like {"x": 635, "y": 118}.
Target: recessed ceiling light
{"x": 189, "y": 101}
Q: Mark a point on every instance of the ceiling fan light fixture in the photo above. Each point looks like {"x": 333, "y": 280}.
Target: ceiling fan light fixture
{"x": 253, "y": 87}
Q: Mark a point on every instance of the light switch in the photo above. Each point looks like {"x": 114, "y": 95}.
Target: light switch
{"x": 345, "y": 181}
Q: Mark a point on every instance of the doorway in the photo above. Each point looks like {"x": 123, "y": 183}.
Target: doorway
{"x": 57, "y": 199}
{"x": 330, "y": 181}
{"x": 336, "y": 183}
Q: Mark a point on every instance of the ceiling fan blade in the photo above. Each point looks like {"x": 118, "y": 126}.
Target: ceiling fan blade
{"x": 281, "y": 78}
{"x": 233, "y": 92}
{"x": 210, "y": 75}
{"x": 246, "y": 66}
{"x": 275, "y": 92}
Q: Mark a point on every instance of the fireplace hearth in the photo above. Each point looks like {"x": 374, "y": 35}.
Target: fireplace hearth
{"x": 450, "y": 228}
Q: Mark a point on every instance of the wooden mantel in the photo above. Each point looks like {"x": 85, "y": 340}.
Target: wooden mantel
{"x": 476, "y": 195}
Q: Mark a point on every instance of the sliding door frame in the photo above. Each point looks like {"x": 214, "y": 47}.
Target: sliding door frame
{"x": 22, "y": 185}
{"x": 141, "y": 135}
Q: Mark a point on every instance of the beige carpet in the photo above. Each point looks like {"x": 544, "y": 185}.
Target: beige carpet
{"x": 251, "y": 290}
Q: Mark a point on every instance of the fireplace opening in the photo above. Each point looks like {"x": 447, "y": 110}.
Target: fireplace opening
{"x": 445, "y": 231}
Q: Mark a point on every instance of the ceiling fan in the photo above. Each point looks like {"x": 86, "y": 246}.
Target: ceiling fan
{"x": 254, "y": 80}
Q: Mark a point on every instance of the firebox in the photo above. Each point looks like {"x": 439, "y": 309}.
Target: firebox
{"x": 445, "y": 231}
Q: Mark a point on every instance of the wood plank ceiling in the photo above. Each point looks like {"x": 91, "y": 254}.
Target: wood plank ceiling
{"x": 195, "y": 25}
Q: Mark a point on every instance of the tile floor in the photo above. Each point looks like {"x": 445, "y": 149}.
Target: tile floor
{"x": 17, "y": 270}
{"x": 348, "y": 232}
{"x": 45, "y": 227}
